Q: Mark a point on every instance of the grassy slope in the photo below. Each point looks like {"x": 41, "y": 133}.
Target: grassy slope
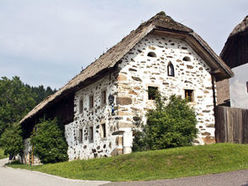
{"x": 170, "y": 163}
{"x": 2, "y": 154}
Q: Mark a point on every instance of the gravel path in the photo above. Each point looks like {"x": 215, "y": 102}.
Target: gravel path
{"x": 22, "y": 177}
{"x": 237, "y": 178}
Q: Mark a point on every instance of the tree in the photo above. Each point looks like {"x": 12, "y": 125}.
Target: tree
{"x": 41, "y": 93}
{"x": 12, "y": 141}
{"x": 16, "y": 99}
{"x": 171, "y": 125}
{"x": 49, "y": 142}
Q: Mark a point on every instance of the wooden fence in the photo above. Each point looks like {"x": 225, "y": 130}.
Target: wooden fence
{"x": 231, "y": 125}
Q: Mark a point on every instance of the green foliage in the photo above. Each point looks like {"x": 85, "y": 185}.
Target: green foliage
{"x": 17, "y": 99}
{"x": 49, "y": 142}
{"x": 12, "y": 141}
{"x": 2, "y": 153}
{"x": 42, "y": 93}
{"x": 171, "y": 125}
{"x": 153, "y": 165}
{"x": 139, "y": 141}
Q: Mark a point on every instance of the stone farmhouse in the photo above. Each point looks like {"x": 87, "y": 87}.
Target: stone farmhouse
{"x": 234, "y": 91}
{"x": 100, "y": 106}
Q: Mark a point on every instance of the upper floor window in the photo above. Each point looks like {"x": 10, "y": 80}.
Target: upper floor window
{"x": 81, "y": 105}
{"x": 91, "y": 101}
{"x": 170, "y": 69}
{"x": 104, "y": 97}
{"x": 189, "y": 95}
{"x": 151, "y": 54}
{"x": 186, "y": 58}
{"x": 152, "y": 92}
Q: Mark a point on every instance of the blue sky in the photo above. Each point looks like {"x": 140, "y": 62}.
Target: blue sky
{"x": 49, "y": 41}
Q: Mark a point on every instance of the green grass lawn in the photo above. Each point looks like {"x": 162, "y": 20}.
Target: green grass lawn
{"x": 160, "y": 164}
{"x": 2, "y": 154}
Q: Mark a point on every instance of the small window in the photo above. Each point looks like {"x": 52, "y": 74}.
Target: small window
{"x": 170, "y": 70}
{"x": 186, "y": 58}
{"x": 104, "y": 97}
{"x": 91, "y": 134}
{"x": 189, "y": 96}
{"x": 247, "y": 86}
{"x": 80, "y": 135}
{"x": 152, "y": 92}
{"x": 151, "y": 54}
{"x": 103, "y": 131}
{"x": 81, "y": 105}
{"x": 91, "y": 101}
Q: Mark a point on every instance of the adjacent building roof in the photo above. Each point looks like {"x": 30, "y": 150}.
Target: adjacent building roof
{"x": 159, "y": 24}
{"x": 235, "y": 51}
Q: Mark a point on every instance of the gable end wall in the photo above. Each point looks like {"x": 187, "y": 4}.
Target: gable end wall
{"x": 128, "y": 86}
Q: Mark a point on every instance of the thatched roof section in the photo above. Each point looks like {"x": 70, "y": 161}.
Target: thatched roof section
{"x": 235, "y": 51}
{"x": 109, "y": 59}
{"x": 241, "y": 27}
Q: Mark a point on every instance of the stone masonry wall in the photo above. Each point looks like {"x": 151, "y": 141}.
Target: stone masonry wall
{"x": 94, "y": 117}
{"x": 138, "y": 71}
{"x": 128, "y": 88}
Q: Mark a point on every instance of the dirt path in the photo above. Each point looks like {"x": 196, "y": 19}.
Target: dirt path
{"x": 21, "y": 177}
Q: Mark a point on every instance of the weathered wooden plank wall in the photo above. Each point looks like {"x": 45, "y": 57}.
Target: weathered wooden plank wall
{"x": 231, "y": 125}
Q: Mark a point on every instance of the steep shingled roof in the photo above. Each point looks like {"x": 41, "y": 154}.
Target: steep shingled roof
{"x": 235, "y": 51}
{"x": 114, "y": 55}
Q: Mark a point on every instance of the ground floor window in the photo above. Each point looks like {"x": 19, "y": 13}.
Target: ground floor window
{"x": 152, "y": 91}
{"x": 80, "y": 135}
{"x": 103, "y": 130}
{"x": 91, "y": 134}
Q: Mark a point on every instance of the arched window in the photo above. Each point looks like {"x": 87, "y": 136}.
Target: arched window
{"x": 170, "y": 69}
{"x": 186, "y": 58}
{"x": 151, "y": 54}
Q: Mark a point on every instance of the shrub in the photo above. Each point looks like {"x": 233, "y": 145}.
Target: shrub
{"x": 12, "y": 141}
{"x": 167, "y": 126}
{"x": 49, "y": 142}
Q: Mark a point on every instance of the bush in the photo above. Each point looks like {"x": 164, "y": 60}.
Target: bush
{"x": 167, "y": 126}
{"x": 49, "y": 142}
{"x": 12, "y": 141}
